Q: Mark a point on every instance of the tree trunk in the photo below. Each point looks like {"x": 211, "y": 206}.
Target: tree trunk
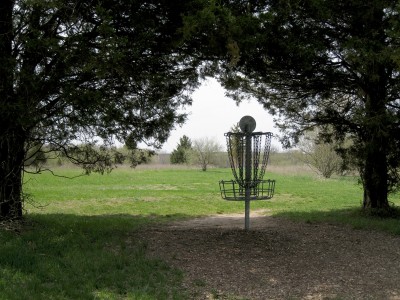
{"x": 375, "y": 176}
{"x": 11, "y": 167}
{"x": 376, "y": 140}
{"x": 12, "y": 137}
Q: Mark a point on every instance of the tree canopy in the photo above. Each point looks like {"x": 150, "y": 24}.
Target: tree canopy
{"x": 331, "y": 64}
{"x": 76, "y": 74}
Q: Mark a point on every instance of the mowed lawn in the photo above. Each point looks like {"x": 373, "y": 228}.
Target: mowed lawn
{"x": 180, "y": 193}
{"x": 177, "y": 192}
{"x": 80, "y": 237}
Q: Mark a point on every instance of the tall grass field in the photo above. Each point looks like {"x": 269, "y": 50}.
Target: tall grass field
{"x": 80, "y": 236}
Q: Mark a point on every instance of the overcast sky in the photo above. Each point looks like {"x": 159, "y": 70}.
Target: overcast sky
{"x": 212, "y": 114}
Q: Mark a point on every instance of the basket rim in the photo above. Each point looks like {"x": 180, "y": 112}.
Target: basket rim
{"x": 235, "y": 193}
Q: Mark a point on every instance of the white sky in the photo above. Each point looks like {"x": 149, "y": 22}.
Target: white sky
{"x": 212, "y": 114}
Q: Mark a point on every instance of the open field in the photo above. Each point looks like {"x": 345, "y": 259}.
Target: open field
{"x": 178, "y": 193}
{"x": 92, "y": 237}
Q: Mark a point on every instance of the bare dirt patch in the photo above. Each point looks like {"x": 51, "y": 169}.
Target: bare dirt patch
{"x": 278, "y": 259}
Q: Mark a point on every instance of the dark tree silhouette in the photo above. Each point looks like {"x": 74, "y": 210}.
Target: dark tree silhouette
{"x": 75, "y": 71}
{"x": 334, "y": 65}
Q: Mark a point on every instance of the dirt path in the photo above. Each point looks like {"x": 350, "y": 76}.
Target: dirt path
{"x": 278, "y": 259}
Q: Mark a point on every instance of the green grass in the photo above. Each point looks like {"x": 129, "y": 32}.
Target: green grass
{"x": 64, "y": 256}
{"x": 81, "y": 242}
{"x": 336, "y": 201}
{"x": 178, "y": 193}
{"x": 137, "y": 192}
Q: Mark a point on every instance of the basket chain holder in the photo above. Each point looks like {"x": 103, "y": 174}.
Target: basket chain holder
{"x": 248, "y": 153}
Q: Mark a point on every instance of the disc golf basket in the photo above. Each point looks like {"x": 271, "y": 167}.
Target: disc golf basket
{"x": 248, "y": 153}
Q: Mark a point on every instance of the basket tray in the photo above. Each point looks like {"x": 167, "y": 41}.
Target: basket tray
{"x": 260, "y": 190}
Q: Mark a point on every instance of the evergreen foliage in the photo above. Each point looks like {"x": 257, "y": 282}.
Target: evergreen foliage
{"x": 78, "y": 75}
{"x": 326, "y": 64}
{"x": 180, "y": 155}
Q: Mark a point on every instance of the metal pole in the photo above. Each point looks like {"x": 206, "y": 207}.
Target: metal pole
{"x": 248, "y": 180}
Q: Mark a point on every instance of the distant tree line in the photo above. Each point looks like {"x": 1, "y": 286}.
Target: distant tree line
{"x": 202, "y": 152}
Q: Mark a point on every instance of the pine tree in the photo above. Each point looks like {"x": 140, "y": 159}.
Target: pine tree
{"x": 180, "y": 155}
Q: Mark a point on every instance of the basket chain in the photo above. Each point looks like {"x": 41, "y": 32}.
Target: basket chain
{"x": 236, "y": 145}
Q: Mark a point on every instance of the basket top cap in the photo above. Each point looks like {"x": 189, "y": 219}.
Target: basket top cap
{"x": 247, "y": 124}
